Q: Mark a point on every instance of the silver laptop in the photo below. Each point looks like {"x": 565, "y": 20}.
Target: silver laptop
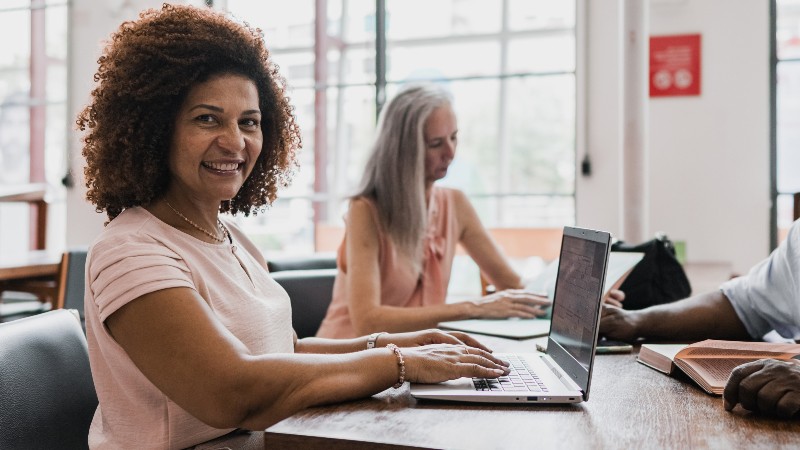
{"x": 563, "y": 375}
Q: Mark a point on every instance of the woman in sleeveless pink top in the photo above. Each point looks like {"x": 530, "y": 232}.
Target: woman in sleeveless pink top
{"x": 394, "y": 263}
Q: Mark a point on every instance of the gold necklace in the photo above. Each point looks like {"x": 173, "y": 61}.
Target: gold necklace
{"x": 203, "y": 230}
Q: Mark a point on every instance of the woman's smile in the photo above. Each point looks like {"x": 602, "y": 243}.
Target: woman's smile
{"x": 223, "y": 168}
{"x": 217, "y": 138}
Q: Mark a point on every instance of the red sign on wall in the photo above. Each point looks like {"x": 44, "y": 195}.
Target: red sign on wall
{"x": 674, "y": 65}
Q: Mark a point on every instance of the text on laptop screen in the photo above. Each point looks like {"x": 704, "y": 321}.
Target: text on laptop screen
{"x": 578, "y": 285}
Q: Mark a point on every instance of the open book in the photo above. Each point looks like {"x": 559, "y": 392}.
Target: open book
{"x": 709, "y": 363}
{"x": 620, "y": 265}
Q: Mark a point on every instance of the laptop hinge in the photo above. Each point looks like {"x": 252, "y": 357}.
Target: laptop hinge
{"x": 568, "y": 382}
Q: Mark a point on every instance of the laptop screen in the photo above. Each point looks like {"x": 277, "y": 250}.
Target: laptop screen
{"x": 576, "y": 305}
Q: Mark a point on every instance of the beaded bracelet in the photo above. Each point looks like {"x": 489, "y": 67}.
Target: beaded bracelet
{"x": 400, "y": 363}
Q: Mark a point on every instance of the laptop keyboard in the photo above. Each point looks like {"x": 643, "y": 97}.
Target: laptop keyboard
{"x": 521, "y": 378}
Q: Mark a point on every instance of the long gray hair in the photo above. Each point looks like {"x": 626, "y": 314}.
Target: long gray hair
{"x": 395, "y": 173}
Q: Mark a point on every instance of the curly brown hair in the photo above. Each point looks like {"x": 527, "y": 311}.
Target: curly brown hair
{"x": 144, "y": 75}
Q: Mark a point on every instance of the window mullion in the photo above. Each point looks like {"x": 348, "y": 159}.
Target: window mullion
{"x": 380, "y": 56}
{"x": 338, "y": 184}
{"x": 320, "y": 107}
{"x": 503, "y": 183}
{"x": 38, "y": 117}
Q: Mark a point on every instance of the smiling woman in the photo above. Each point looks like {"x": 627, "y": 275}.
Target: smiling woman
{"x": 144, "y": 111}
{"x": 216, "y": 142}
{"x": 190, "y": 120}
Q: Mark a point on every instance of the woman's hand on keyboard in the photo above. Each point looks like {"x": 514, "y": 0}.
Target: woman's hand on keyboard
{"x": 510, "y": 303}
{"x": 441, "y": 362}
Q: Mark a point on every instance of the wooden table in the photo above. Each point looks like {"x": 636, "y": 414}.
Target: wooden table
{"x": 35, "y": 272}
{"x": 630, "y": 406}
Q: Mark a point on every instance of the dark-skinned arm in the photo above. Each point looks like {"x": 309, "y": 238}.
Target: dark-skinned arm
{"x": 704, "y": 316}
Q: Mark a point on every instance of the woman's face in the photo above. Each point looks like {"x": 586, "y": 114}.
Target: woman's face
{"x": 217, "y": 138}
{"x": 440, "y": 135}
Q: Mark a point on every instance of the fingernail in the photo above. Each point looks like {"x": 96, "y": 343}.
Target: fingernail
{"x": 499, "y": 371}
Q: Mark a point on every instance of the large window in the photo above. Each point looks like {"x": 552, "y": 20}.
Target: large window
{"x": 33, "y": 92}
{"x": 787, "y": 36}
{"x": 510, "y": 65}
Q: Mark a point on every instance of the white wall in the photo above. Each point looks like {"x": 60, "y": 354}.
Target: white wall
{"x": 91, "y": 23}
{"x": 709, "y": 155}
{"x": 598, "y": 196}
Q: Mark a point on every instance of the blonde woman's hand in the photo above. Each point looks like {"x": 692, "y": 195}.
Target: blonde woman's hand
{"x": 428, "y": 337}
{"x": 441, "y": 362}
{"x": 615, "y": 297}
{"x": 510, "y": 303}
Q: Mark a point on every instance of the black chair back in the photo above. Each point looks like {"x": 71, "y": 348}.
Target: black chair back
{"x": 72, "y": 282}
{"x": 310, "y": 292}
{"x": 47, "y": 396}
{"x": 306, "y": 262}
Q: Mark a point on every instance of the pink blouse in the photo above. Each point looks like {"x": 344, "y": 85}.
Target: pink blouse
{"x": 400, "y": 284}
{"x": 137, "y": 254}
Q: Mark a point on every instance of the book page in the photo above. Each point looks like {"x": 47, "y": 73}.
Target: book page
{"x": 751, "y": 351}
{"x": 714, "y": 372}
{"x": 620, "y": 265}
{"x": 710, "y": 362}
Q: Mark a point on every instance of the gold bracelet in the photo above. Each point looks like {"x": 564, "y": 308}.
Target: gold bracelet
{"x": 400, "y": 363}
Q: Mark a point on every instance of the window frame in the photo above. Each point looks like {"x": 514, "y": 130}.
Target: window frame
{"x": 37, "y": 103}
{"x": 324, "y": 198}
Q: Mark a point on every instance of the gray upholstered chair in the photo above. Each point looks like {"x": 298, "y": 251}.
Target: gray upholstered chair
{"x": 47, "y": 397}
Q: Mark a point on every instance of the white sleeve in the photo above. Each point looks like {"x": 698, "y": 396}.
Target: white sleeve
{"x": 768, "y": 297}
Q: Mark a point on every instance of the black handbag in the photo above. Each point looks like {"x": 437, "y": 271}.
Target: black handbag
{"x": 658, "y": 278}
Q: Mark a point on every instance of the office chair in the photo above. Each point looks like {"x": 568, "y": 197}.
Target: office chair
{"x": 72, "y": 282}
{"x": 47, "y": 396}
{"x": 310, "y": 292}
